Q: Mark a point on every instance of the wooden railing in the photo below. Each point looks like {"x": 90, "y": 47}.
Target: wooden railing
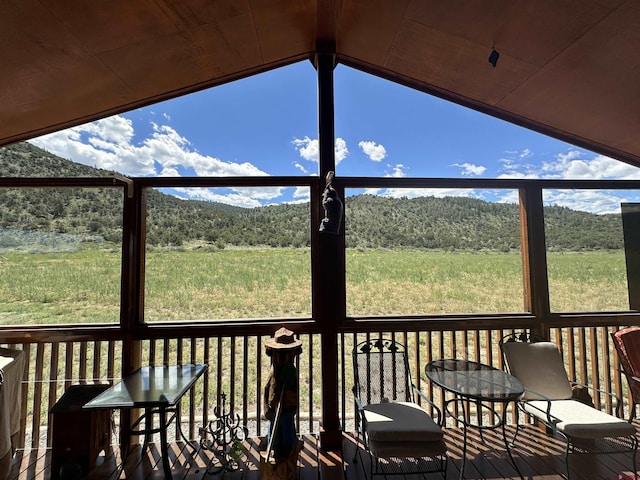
{"x": 238, "y": 367}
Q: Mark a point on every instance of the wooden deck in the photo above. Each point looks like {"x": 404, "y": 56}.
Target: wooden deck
{"x": 538, "y": 456}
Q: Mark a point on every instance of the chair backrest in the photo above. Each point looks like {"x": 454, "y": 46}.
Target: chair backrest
{"x": 381, "y": 372}
{"x": 627, "y": 344}
{"x": 539, "y": 367}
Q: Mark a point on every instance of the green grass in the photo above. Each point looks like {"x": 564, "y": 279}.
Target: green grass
{"x": 588, "y": 281}
{"x": 198, "y": 284}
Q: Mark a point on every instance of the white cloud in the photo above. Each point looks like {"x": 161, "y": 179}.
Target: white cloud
{"x": 511, "y": 196}
{"x": 103, "y": 144}
{"x": 570, "y": 165}
{"x": 573, "y": 164}
{"x": 302, "y": 194}
{"x": 169, "y": 172}
{"x": 341, "y": 150}
{"x": 300, "y": 167}
{"x": 429, "y": 192}
{"x": 594, "y": 201}
{"x": 469, "y": 169}
{"x": 576, "y": 165}
{"x": 397, "y": 171}
{"x": 236, "y": 199}
{"x": 108, "y": 144}
{"x": 513, "y": 165}
{"x": 374, "y": 151}
{"x": 309, "y": 149}
{"x": 248, "y": 197}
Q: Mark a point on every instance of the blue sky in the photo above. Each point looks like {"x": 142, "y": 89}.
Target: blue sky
{"x": 267, "y": 125}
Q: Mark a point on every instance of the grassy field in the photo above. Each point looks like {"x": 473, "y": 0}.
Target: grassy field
{"x": 84, "y": 286}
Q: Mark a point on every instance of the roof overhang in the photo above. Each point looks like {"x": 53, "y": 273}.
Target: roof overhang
{"x": 569, "y": 69}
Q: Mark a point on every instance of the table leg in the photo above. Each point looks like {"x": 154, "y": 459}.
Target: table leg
{"x": 125, "y": 439}
{"x": 504, "y": 437}
{"x": 464, "y": 439}
{"x": 164, "y": 448}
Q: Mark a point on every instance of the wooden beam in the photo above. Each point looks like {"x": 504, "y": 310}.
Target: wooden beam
{"x": 534, "y": 255}
{"x": 631, "y": 230}
{"x": 328, "y": 306}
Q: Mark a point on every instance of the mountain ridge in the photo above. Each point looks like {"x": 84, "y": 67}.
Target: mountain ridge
{"x": 430, "y": 223}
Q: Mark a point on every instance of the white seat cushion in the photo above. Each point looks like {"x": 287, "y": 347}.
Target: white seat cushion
{"x": 400, "y": 422}
{"x": 407, "y": 449}
{"x": 575, "y": 419}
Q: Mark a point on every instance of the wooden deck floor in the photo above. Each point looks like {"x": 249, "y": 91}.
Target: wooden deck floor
{"x": 538, "y": 457}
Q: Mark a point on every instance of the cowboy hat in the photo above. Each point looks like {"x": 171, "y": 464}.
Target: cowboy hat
{"x": 283, "y": 339}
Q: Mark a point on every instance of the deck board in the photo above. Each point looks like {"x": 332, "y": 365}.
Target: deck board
{"x": 538, "y": 456}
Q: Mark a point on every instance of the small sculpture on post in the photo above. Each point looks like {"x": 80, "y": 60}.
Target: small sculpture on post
{"x": 280, "y": 407}
{"x": 333, "y": 208}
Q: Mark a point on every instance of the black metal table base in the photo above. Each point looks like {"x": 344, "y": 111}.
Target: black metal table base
{"x": 498, "y": 421}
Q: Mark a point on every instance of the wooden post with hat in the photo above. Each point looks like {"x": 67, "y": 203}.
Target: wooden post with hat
{"x": 280, "y": 459}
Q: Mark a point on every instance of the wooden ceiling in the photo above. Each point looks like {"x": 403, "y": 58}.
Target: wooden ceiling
{"x": 567, "y": 68}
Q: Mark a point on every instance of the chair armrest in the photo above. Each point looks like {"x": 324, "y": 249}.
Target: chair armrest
{"x": 361, "y": 419}
{"x": 439, "y": 416}
{"x": 359, "y": 405}
{"x": 551, "y": 421}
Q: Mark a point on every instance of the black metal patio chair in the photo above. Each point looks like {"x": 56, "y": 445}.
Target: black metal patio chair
{"x": 398, "y": 435}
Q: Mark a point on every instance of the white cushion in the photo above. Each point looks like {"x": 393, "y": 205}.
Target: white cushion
{"x": 539, "y": 367}
{"x": 400, "y": 422}
{"x": 576, "y": 419}
{"x": 407, "y": 449}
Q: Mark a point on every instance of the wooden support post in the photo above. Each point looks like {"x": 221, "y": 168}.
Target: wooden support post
{"x": 534, "y": 256}
{"x": 631, "y": 230}
{"x": 132, "y": 286}
{"x": 328, "y": 258}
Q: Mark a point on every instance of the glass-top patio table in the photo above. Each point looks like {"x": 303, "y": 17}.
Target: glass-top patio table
{"x": 156, "y": 389}
{"x": 480, "y": 384}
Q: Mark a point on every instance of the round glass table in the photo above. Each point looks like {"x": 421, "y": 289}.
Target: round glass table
{"x": 480, "y": 384}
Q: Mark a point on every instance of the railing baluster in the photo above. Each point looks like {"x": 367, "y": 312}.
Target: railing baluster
{"x": 97, "y": 360}
{"x": 311, "y": 382}
{"x": 258, "y": 398}
{"x": 608, "y": 372}
{"x": 53, "y": 384}
{"x": 36, "y": 420}
{"x": 68, "y": 370}
{"x": 219, "y": 374}
{"x": 82, "y": 361}
{"x": 179, "y": 351}
{"x": 193, "y": 359}
{"x": 595, "y": 362}
{"x": 245, "y": 379}
{"x": 152, "y": 352}
{"x": 582, "y": 352}
{"x": 111, "y": 360}
{"x": 232, "y": 374}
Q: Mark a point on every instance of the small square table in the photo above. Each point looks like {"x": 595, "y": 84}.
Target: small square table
{"x": 157, "y": 389}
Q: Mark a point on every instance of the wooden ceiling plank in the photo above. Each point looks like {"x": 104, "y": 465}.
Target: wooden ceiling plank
{"x": 568, "y": 68}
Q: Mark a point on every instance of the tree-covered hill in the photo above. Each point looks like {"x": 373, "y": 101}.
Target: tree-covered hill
{"x": 450, "y": 223}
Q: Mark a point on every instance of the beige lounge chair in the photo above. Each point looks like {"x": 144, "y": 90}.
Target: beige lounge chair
{"x": 548, "y": 398}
